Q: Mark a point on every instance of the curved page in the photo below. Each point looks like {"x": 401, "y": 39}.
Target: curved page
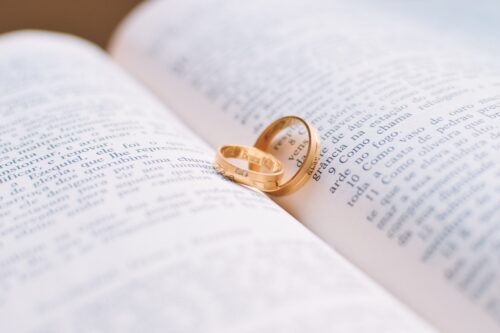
{"x": 113, "y": 220}
{"x": 408, "y": 184}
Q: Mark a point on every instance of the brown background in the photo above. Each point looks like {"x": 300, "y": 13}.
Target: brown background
{"x": 94, "y": 20}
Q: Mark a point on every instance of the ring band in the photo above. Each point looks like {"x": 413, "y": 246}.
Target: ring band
{"x": 312, "y": 156}
{"x": 264, "y": 181}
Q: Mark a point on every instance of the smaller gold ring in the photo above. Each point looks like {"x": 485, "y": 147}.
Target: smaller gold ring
{"x": 312, "y": 155}
{"x": 264, "y": 181}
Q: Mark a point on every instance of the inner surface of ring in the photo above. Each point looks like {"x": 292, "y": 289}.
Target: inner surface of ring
{"x": 253, "y": 156}
{"x": 300, "y": 155}
{"x": 280, "y": 126}
{"x": 277, "y": 135}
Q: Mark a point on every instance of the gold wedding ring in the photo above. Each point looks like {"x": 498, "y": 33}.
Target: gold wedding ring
{"x": 311, "y": 159}
{"x": 264, "y": 181}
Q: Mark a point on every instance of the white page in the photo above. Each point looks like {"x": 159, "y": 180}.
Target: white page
{"x": 112, "y": 218}
{"x": 410, "y": 113}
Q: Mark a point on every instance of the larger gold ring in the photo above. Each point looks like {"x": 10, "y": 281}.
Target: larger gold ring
{"x": 311, "y": 160}
{"x": 264, "y": 181}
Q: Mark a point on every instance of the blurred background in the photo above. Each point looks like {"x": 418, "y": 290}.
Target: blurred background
{"x": 94, "y": 20}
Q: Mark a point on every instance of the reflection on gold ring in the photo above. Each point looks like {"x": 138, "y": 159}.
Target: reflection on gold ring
{"x": 311, "y": 159}
{"x": 264, "y": 181}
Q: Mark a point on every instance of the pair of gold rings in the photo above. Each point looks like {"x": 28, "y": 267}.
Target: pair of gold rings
{"x": 265, "y": 171}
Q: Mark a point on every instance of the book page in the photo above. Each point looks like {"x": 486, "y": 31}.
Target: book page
{"x": 409, "y": 182}
{"x": 112, "y": 218}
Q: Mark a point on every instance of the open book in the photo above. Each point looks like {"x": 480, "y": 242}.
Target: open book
{"x": 112, "y": 218}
